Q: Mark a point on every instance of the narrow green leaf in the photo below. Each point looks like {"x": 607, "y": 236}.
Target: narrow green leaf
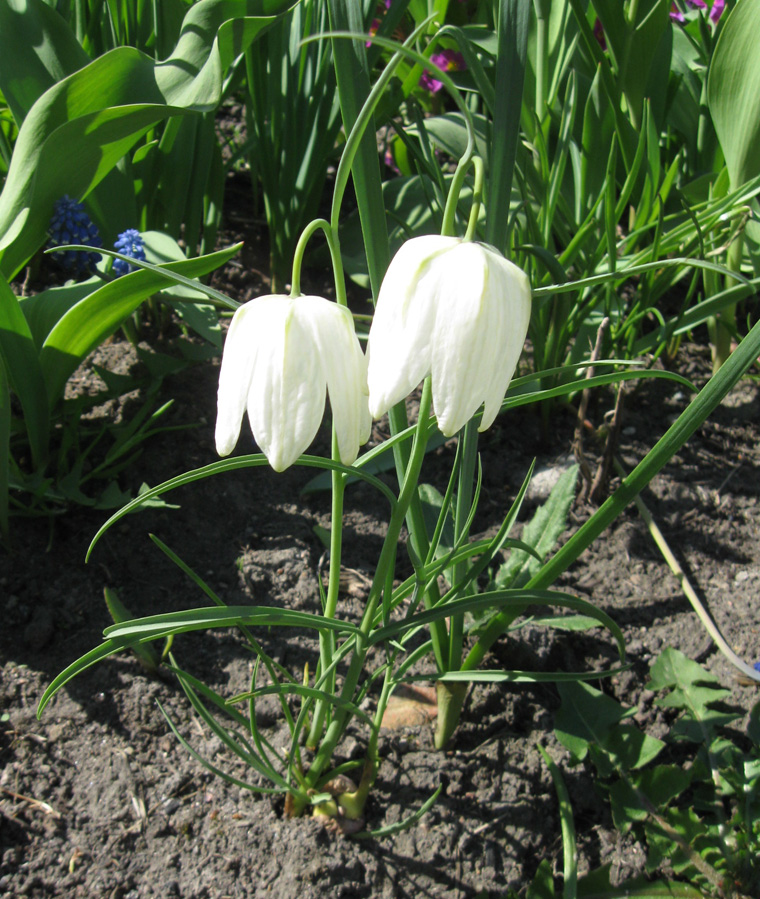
{"x": 512, "y": 35}
{"x": 155, "y": 626}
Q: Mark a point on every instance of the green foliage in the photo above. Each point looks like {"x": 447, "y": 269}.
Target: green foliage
{"x": 293, "y": 120}
{"x": 75, "y": 129}
{"x": 77, "y": 126}
{"x": 733, "y": 92}
{"x": 698, "y": 810}
{"x": 42, "y": 340}
{"x": 542, "y": 533}
{"x": 599, "y": 190}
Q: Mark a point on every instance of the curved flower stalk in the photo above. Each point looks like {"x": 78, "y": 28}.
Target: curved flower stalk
{"x": 453, "y": 309}
{"x": 281, "y": 355}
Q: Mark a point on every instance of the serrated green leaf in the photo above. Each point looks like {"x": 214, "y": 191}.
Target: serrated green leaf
{"x": 542, "y": 532}
{"x": 597, "y": 885}
{"x": 693, "y": 690}
{"x": 585, "y": 717}
{"x": 632, "y": 798}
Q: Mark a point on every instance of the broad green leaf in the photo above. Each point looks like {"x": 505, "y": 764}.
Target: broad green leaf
{"x": 38, "y": 50}
{"x": 597, "y": 885}
{"x": 80, "y": 127}
{"x": 100, "y": 313}
{"x": 42, "y": 310}
{"x": 23, "y": 371}
{"x": 630, "y": 748}
{"x": 633, "y": 44}
{"x": 733, "y": 91}
{"x": 449, "y": 132}
{"x": 542, "y": 886}
{"x": 632, "y": 798}
{"x": 585, "y": 717}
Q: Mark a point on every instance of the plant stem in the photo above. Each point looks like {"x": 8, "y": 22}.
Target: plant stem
{"x": 385, "y": 565}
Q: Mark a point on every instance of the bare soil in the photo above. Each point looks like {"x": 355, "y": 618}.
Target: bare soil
{"x": 98, "y": 799}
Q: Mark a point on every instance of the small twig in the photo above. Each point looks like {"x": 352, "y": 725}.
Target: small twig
{"x": 704, "y": 616}
{"x": 602, "y": 476}
{"x": 35, "y": 803}
{"x": 581, "y": 420}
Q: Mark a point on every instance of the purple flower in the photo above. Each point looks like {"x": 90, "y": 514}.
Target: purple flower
{"x": 599, "y": 34}
{"x": 130, "y": 244}
{"x": 449, "y": 61}
{"x": 715, "y": 11}
{"x": 372, "y": 31}
{"x": 376, "y": 22}
{"x": 71, "y": 224}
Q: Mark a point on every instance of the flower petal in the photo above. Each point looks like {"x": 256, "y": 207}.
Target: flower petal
{"x": 461, "y": 363}
{"x": 286, "y": 400}
{"x": 235, "y": 376}
{"x": 399, "y": 347}
{"x": 509, "y": 282}
{"x": 344, "y": 369}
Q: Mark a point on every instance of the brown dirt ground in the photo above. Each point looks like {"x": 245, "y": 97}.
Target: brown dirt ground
{"x": 98, "y": 799}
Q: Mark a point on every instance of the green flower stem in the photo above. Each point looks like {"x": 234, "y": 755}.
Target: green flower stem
{"x": 385, "y": 564}
{"x": 469, "y": 438}
{"x": 327, "y": 637}
{"x": 457, "y": 182}
{"x": 477, "y": 198}
{"x": 353, "y": 803}
{"x": 331, "y": 234}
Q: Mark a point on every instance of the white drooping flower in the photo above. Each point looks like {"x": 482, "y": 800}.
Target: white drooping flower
{"x": 453, "y": 309}
{"x": 281, "y": 355}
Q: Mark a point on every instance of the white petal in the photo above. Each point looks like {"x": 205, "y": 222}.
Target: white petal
{"x": 461, "y": 337}
{"x": 286, "y": 400}
{"x": 235, "y": 376}
{"x": 399, "y": 347}
{"x": 508, "y": 285}
{"x": 344, "y": 369}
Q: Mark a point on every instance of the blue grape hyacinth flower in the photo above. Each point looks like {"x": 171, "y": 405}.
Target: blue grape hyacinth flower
{"x": 71, "y": 224}
{"x": 130, "y": 244}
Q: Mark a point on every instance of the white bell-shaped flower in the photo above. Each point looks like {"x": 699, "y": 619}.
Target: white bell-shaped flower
{"x": 453, "y": 309}
{"x": 281, "y": 355}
